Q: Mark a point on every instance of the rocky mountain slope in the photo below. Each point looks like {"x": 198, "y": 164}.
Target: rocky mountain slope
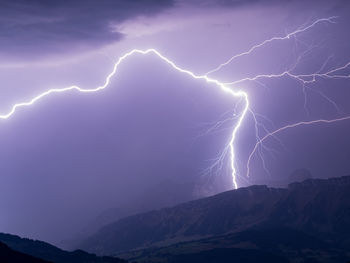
{"x": 320, "y": 208}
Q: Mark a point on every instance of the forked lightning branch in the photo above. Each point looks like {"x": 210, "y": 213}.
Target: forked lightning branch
{"x": 234, "y": 92}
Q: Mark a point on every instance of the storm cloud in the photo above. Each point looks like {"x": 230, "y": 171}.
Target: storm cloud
{"x": 29, "y": 28}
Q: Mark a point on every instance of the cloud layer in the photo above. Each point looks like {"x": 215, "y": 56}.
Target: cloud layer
{"x": 41, "y": 27}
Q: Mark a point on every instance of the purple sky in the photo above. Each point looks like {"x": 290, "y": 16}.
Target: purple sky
{"x": 72, "y": 156}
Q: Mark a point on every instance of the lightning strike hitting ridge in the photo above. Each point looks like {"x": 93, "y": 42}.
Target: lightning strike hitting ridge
{"x": 239, "y": 93}
{"x": 302, "y": 78}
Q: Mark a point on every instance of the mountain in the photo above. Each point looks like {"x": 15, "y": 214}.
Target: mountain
{"x": 27, "y": 250}
{"x": 316, "y": 208}
{"x": 233, "y": 210}
{"x": 7, "y": 255}
{"x": 278, "y": 244}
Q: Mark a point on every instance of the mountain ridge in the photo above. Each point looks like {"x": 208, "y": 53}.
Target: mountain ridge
{"x": 301, "y": 206}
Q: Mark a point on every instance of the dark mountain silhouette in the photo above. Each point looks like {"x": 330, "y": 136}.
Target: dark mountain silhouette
{"x": 315, "y": 208}
{"x": 47, "y": 253}
{"x": 233, "y": 210}
{"x": 8, "y": 255}
{"x": 279, "y": 244}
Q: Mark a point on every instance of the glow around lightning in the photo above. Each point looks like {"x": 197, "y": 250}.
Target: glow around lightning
{"x": 231, "y": 92}
{"x": 304, "y": 79}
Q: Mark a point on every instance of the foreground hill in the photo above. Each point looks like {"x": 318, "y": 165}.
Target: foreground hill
{"x": 8, "y": 255}
{"x": 25, "y": 250}
{"x": 318, "y": 209}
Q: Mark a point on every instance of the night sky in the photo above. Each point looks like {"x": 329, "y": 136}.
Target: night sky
{"x": 72, "y": 155}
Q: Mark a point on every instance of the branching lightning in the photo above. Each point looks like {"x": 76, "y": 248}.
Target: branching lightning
{"x": 289, "y": 126}
{"x": 263, "y": 43}
{"x": 304, "y": 79}
{"x": 239, "y": 94}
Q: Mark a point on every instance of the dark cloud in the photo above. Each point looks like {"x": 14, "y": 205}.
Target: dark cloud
{"x": 44, "y": 26}
{"x": 238, "y": 3}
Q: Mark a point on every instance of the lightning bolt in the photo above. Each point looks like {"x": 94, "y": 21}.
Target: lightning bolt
{"x": 224, "y": 87}
{"x": 231, "y": 92}
{"x": 303, "y": 79}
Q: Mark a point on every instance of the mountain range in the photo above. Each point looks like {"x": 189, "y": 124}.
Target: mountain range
{"x": 306, "y": 222}
{"x": 317, "y": 210}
